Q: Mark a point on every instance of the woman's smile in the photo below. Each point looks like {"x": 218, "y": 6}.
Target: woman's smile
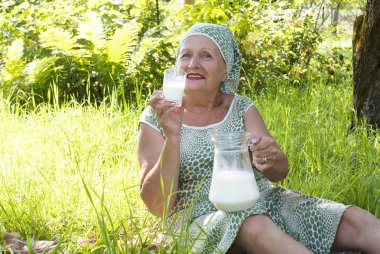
{"x": 195, "y": 76}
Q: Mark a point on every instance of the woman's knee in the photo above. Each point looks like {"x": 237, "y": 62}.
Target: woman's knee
{"x": 356, "y": 220}
{"x": 255, "y": 226}
{"x": 259, "y": 234}
{"x": 355, "y": 228}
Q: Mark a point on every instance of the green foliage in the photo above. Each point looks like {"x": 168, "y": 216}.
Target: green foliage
{"x": 279, "y": 44}
{"x": 278, "y": 39}
{"x": 86, "y": 50}
{"x": 90, "y": 50}
{"x": 12, "y": 62}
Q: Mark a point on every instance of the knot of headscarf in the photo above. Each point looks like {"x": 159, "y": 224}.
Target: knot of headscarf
{"x": 225, "y": 41}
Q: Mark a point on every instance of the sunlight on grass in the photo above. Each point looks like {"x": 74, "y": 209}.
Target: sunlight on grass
{"x": 47, "y": 157}
{"x": 326, "y": 160}
{"x": 72, "y": 174}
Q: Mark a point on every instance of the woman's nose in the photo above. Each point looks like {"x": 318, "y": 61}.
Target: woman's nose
{"x": 193, "y": 63}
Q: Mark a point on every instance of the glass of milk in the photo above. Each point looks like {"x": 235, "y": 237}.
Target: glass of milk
{"x": 174, "y": 85}
{"x": 233, "y": 184}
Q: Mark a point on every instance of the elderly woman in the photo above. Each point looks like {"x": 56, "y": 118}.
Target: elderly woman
{"x": 176, "y": 159}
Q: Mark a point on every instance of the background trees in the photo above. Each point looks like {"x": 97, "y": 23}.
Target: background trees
{"x": 90, "y": 50}
{"x": 366, "y": 60}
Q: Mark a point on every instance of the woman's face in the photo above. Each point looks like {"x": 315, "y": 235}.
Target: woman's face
{"x": 201, "y": 59}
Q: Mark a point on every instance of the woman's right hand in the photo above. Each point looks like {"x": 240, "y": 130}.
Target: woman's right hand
{"x": 159, "y": 157}
{"x": 168, "y": 114}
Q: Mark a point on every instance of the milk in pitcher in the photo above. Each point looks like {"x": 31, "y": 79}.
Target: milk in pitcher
{"x": 233, "y": 190}
{"x": 233, "y": 184}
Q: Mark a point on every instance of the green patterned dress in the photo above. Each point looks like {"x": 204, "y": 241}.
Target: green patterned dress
{"x": 307, "y": 219}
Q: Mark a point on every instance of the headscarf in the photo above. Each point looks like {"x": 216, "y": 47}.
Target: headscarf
{"x": 225, "y": 41}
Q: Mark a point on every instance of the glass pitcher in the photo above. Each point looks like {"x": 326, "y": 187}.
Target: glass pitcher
{"x": 233, "y": 183}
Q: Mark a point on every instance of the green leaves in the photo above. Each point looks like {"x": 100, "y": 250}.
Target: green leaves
{"x": 40, "y": 72}
{"x": 58, "y": 40}
{"x": 122, "y": 44}
{"x": 85, "y": 57}
{"x": 92, "y": 49}
{"x": 92, "y": 30}
{"x": 278, "y": 43}
{"x": 13, "y": 61}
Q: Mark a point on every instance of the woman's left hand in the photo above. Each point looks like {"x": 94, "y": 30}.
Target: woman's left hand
{"x": 267, "y": 156}
{"x": 265, "y": 152}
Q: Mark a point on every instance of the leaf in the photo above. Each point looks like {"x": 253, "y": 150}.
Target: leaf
{"x": 15, "y": 51}
{"x": 92, "y": 30}
{"x": 121, "y": 43}
{"x": 58, "y": 40}
{"x": 147, "y": 45}
{"x": 40, "y": 70}
{"x": 13, "y": 62}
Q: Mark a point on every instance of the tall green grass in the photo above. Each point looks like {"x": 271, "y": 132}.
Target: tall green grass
{"x": 325, "y": 158}
{"x": 70, "y": 173}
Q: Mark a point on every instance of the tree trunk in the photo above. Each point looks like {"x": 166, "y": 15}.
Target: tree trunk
{"x": 189, "y": 1}
{"x": 335, "y": 20}
{"x": 366, "y": 64}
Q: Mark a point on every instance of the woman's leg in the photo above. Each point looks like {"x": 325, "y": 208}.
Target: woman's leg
{"x": 258, "y": 234}
{"x": 358, "y": 230}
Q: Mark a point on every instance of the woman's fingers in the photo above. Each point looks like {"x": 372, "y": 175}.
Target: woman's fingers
{"x": 156, "y": 97}
{"x": 259, "y": 143}
{"x": 163, "y": 107}
{"x": 264, "y": 152}
{"x": 157, "y": 102}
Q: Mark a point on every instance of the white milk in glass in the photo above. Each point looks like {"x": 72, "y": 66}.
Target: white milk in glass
{"x": 173, "y": 91}
{"x": 233, "y": 190}
{"x": 174, "y": 85}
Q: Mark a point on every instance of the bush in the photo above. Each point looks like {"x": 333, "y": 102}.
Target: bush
{"x": 84, "y": 50}
{"x": 90, "y": 50}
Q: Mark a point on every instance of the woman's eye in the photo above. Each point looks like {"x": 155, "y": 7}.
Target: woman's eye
{"x": 185, "y": 56}
{"x": 206, "y": 55}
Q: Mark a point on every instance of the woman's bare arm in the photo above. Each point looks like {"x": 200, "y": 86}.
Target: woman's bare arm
{"x": 275, "y": 166}
{"x": 159, "y": 169}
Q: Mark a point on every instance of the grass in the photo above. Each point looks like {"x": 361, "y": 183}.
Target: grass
{"x": 71, "y": 174}
{"x": 66, "y": 172}
{"x": 326, "y": 160}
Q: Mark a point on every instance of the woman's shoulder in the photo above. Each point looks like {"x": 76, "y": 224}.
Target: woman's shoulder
{"x": 237, "y": 99}
{"x": 242, "y": 98}
{"x": 147, "y": 113}
{"x": 149, "y": 117}
{"x": 242, "y": 102}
